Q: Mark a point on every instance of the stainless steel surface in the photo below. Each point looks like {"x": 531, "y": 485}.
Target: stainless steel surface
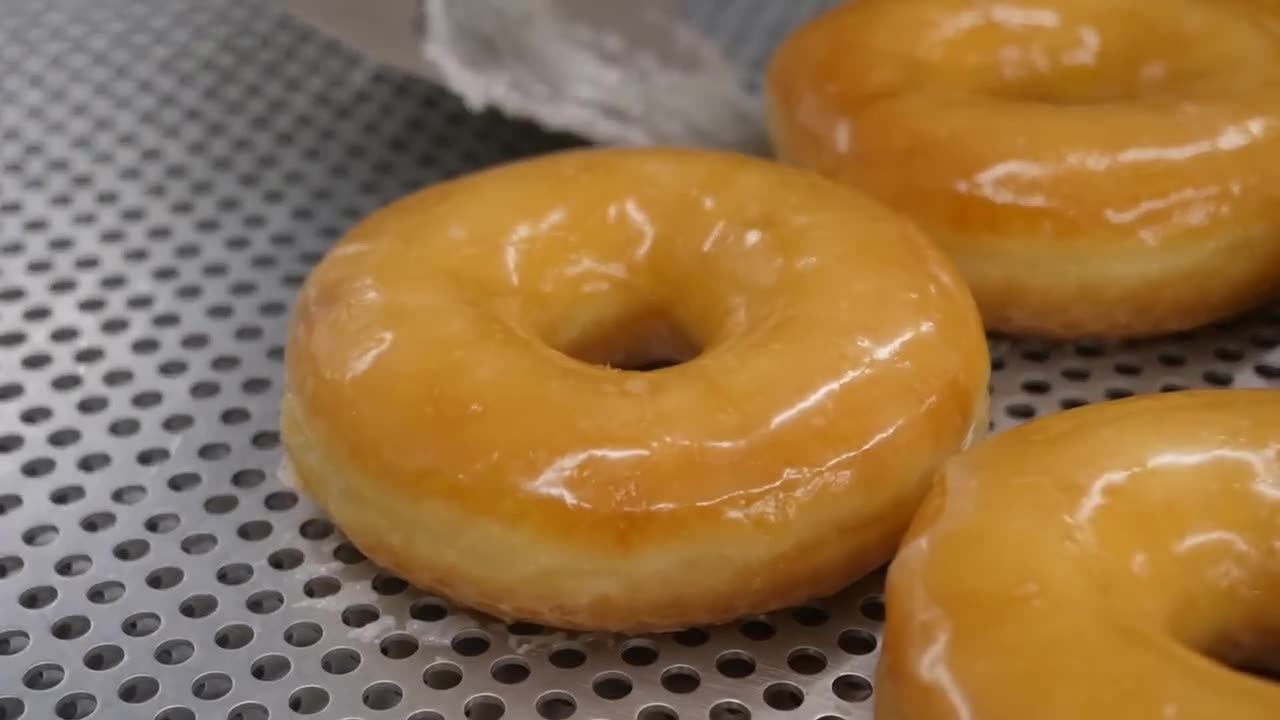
{"x": 168, "y": 172}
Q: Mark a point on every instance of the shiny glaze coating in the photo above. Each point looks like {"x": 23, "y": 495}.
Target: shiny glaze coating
{"x": 1092, "y": 564}
{"x": 1094, "y": 167}
{"x": 434, "y": 409}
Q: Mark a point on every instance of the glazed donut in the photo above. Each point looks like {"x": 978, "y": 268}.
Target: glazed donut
{"x": 1113, "y": 562}
{"x": 467, "y": 393}
{"x": 1094, "y": 167}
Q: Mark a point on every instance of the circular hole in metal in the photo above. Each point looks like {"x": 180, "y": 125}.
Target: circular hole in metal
{"x": 66, "y": 495}
{"x": 810, "y": 615}
{"x": 612, "y": 685}
{"x": 182, "y": 482}
{"x": 525, "y": 628}
{"x": 140, "y": 624}
{"x": 556, "y": 705}
{"x": 233, "y": 636}
{"x": 13, "y": 642}
{"x": 162, "y": 523}
{"x": 426, "y": 715}
{"x": 281, "y": 500}
{"x": 164, "y": 578}
{"x": 340, "y": 661}
{"x": 567, "y": 657}
{"x": 1218, "y": 378}
{"x": 211, "y": 686}
{"x": 93, "y": 462}
{"x": 484, "y": 707}
{"x": 43, "y": 676}
{"x": 872, "y": 608}
{"x": 75, "y": 706}
{"x": 9, "y": 502}
{"x": 10, "y": 565}
{"x": 38, "y": 467}
{"x": 303, "y": 634}
{"x": 176, "y": 712}
{"x": 322, "y": 586}
{"x": 729, "y": 710}
{"x": 11, "y": 708}
{"x": 357, "y": 616}
{"x": 199, "y": 543}
{"x": 509, "y": 670}
{"x": 442, "y": 676}
{"x": 73, "y": 565}
{"x": 285, "y": 559}
{"x": 174, "y": 652}
{"x": 249, "y": 711}
{"x": 385, "y": 584}
{"x": 806, "y": 661}
{"x": 471, "y": 643}
{"x": 96, "y": 522}
{"x": 124, "y": 427}
{"x": 382, "y": 696}
{"x": 70, "y": 627}
{"x": 692, "y": 637}
{"x": 680, "y": 679}
{"x": 39, "y": 535}
{"x": 130, "y": 550}
{"x": 269, "y": 668}
{"x": 1020, "y": 411}
{"x": 851, "y": 688}
{"x": 58, "y": 438}
{"x": 657, "y": 712}
{"x": 220, "y": 504}
{"x": 138, "y": 689}
{"x": 350, "y": 555}
{"x": 735, "y": 664}
{"x": 234, "y": 573}
{"x": 783, "y": 696}
{"x": 213, "y": 451}
{"x": 38, "y": 597}
{"x": 316, "y": 529}
{"x": 1076, "y": 374}
{"x": 758, "y": 629}
{"x": 103, "y": 657}
{"x": 264, "y": 602}
{"x": 309, "y": 700}
{"x": 398, "y": 646}
{"x": 857, "y": 641}
{"x": 254, "y": 530}
{"x": 33, "y": 416}
{"x": 198, "y": 606}
{"x": 639, "y": 652}
{"x": 426, "y": 609}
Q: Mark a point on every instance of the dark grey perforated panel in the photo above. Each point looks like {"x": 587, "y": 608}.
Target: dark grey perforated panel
{"x": 168, "y": 172}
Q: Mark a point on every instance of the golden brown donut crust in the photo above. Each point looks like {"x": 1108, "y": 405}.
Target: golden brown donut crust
{"x": 1089, "y": 564}
{"x": 432, "y": 410}
{"x": 1094, "y": 167}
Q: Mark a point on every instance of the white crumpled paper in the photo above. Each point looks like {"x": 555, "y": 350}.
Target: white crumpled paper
{"x": 612, "y": 71}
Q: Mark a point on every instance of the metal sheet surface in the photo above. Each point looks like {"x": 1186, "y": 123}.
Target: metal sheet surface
{"x": 168, "y": 172}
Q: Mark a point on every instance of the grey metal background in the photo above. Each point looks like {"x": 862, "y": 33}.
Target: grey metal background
{"x": 168, "y": 172}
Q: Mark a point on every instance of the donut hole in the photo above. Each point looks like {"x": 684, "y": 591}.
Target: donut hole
{"x": 1256, "y": 654}
{"x": 639, "y": 340}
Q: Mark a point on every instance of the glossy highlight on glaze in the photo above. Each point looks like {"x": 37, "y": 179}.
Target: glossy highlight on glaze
{"x": 1094, "y": 167}
{"x": 1116, "y": 561}
{"x": 464, "y": 394}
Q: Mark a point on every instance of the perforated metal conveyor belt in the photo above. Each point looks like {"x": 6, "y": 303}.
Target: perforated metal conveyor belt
{"x": 168, "y": 172}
